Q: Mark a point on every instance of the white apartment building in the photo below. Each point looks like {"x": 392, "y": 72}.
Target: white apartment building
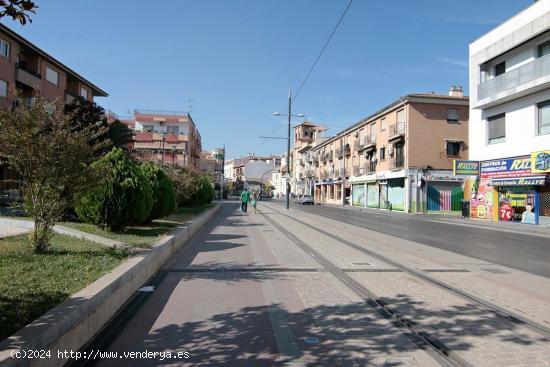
{"x": 509, "y": 130}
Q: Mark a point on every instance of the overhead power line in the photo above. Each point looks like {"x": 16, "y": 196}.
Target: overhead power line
{"x": 322, "y": 51}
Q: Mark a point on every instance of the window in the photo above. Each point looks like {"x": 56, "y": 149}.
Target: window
{"x": 496, "y": 129}
{"x": 500, "y": 68}
{"x": 401, "y": 116}
{"x": 544, "y": 49}
{"x": 4, "y": 49}
{"x": 382, "y": 153}
{"x": 3, "y": 88}
{"x": 84, "y": 93}
{"x": 52, "y": 76}
{"x": 543, "y": 120}
{"x": 173, "y": 129}
{"x": 148, "y": 128}
{"x": 453, "y": 148}
{"x": 382, "y": 124}
{"x": 452, "y": 115}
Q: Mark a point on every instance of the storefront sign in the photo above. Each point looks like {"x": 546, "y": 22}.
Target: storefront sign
{"x": 465, "y": 167}
{"x": 511, "y": 167}
{"x": 432, "y": 177}
{"x": 540, "y": 162}
{"x": 519, "y": 181}
{"x": 505, "y": 212}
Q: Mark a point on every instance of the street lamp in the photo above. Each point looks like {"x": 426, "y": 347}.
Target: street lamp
{"x": 289, "y": 115}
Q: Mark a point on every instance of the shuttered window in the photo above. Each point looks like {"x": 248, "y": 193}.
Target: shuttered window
{"x": 452, "y": 115}
{"x": 496, "y": 128}
{"x": 401, "y": 116}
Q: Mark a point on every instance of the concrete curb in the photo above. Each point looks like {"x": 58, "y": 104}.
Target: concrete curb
{"x": 70, "y": 325}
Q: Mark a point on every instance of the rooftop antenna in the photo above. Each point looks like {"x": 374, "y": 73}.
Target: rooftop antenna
{"x": 190, "y": 106}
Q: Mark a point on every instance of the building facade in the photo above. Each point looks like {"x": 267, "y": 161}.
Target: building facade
{"x": 399, "y": 158}
{"x": 252, "y": 172}
{"x": 165, "y": 137}
{"x": 27, "y": 70}
{"x": 510, "y": 119}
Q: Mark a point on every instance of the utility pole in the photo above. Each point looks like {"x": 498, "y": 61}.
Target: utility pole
{"x": 223, "y": 172}
{"x": 288, "y": 160}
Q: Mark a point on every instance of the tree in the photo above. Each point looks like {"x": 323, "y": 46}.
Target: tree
{"x": 123, "y": 196}
{"x": 164, "y": 193}
{"x": 51, "y": 157}
{"x": 89, "y": 113}
{"x": 192, "y": 186}
{"x": 18, "y": 10}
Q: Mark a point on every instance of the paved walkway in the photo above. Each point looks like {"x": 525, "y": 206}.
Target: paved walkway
{"x": 244, "y": 292}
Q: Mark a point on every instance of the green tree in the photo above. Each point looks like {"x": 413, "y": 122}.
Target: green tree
{"x": 18, "y": 10}
{"x": 164, "y": 193}
{"x": 51, "y": 158}
{"x": 123, "y": 197}
{"x": 192, "y": 187}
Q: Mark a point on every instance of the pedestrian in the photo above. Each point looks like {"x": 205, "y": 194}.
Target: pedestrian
{"x": 254, "y": 202}
{"x": 245, "y": 195}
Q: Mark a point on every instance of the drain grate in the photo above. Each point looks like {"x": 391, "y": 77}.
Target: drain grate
{"x": 496, "y": 271}
{"x": 240, "y": 270}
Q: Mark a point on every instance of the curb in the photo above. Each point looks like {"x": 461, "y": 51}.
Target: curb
{"x": 73, "y": 323}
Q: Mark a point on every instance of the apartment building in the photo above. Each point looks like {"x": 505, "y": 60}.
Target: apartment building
{"x": 27, "y": 69}
{"x": 510, "y": 119}
{"x": 165, "y": 137}
{"x": 307, "y": 136}
{"x": 400, "y": 157}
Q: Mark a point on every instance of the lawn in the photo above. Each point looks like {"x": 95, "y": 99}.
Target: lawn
{"x": 145, "y": 235}
{"x": 31, "y": 284}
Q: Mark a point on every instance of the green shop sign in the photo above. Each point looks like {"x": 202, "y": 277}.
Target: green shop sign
{"x": 465, "y": 167}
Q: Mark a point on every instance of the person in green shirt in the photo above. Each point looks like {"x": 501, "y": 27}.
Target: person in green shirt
{"x": 245, "y": 196}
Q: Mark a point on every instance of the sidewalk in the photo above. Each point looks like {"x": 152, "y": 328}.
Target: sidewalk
{"x": 511, "y": 227}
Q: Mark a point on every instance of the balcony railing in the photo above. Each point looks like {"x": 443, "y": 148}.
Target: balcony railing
{"x": 397, "y": 162}
{"x": 356, "y": 171}
{"x": 28, "y": 78}
{"x": 397, "y": 130}
{"x": 347, "y": 149}
{"x": 509, "y": 81}
{"x": 369, "y": 167}
{"x": 341, "y": 173}
{"x": 339, "y": 152}
{"x": 369, "y": 140}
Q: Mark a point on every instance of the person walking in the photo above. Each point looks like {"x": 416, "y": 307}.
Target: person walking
{"x": 254, "y": 202}
{"x": 245, "y": 196}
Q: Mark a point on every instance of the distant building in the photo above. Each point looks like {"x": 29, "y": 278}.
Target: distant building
{"x": 165, "y": 137}
{"x": 251, "y": 172}
{"x": 510, "y": 119}
{"x": 28, "y": 69}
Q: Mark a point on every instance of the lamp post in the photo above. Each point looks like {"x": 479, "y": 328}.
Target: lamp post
{"x": 288, "y": 160}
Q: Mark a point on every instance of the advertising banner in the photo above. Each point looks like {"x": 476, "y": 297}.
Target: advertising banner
{"x": 465, "y": 167}
{"x": 519, "y": 181}
{"x": 510, "y": 167}
{"x": 540, "y": 162}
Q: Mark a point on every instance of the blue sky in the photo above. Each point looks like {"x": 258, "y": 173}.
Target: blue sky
{"x": 235, "y": 60}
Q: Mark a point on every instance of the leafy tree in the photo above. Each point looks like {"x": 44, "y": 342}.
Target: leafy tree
{"x": 123, "y": 197}
{"x": 18, "y": 10}
{"x": 52, "y": 159}
{"x": 164, "y": 193}
{"x": 192, "y": 186}
{"x": 88, "y": 113}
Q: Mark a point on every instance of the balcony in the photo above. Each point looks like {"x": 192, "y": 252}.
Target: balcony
{"x": 356, "y": 144}
{"x": 27, "y": 77}
{"x": 369, "y": 142}
{"x": 356, "y": 171}
{"x": 397, "y": 131}
{"x": 341, "y": 173}
{"x": 369, "y": 167}
{"x": 397, "y": 162}
{"x": 516, "y": 83}
{"x": 339, "y": 153}
{"x": 330, "y": 156}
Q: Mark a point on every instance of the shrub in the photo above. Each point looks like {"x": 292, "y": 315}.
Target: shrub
{"x": 123, "y": 197}
{"x": 164, "y": 193}
{"x": 192, "y": 187}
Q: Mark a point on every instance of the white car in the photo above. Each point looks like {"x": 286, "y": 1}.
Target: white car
{"x": 298, "y": 199}
{"x": 307, "y": 199}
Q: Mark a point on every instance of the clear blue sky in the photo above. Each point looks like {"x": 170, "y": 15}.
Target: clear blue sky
{"x": 236, "y": 59}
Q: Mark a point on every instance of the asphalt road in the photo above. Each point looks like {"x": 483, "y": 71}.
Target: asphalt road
{"x": 516, "y": 250}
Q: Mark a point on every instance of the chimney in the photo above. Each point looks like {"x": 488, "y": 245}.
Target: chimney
{"x": 456, "y": 91}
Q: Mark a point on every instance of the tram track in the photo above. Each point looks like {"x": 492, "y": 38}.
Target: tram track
{"x": 434, "y": 347}
{"x": 496, "y": 309}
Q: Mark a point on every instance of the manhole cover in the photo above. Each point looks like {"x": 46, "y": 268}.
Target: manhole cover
{"x": 496, "y": 271}
{"x": 311, "y": 340}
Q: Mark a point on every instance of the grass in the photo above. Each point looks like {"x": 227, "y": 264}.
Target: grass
{"x": 145, "y": 235}
{"x": 31, "y": 284}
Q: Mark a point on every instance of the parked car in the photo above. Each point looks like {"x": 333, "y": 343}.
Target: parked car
{"x": 307, "y": 199}
{"x": 298, "y": 199}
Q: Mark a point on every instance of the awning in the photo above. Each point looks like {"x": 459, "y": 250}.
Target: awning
{"x": 518, "y": 181}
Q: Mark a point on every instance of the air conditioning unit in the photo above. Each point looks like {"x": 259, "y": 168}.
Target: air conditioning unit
{"x": 390, "y": 150}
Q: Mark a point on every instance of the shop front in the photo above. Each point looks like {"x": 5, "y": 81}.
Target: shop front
{"x": 509, "y": 190}
{"x": 444, "y": 192}
{"x": 391, "y": 186}
{"x": 359, "y": 189}
{"x": 328, "y": 192}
